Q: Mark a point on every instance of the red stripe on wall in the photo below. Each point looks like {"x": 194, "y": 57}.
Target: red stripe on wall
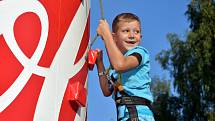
{"x": 60, "y": 14}
{"x": 23, "y": 107}
{"x": 10, "y": 68}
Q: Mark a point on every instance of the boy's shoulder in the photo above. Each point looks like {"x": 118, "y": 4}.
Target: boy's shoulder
{"x": 137, "y": 49}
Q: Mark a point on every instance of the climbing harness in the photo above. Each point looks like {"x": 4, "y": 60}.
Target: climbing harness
{"x": 129, "y": 101}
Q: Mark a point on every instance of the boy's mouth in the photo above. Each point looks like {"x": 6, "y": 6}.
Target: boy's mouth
{"x": 130, "y": 42}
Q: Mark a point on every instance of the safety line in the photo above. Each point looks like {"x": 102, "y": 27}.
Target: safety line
{"x": 102, "y": 18}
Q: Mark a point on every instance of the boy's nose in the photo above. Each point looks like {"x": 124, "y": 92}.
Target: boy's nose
{"x": 131, "y": 35}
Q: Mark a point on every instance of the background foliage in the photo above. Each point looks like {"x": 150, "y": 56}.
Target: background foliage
{"x": 191, "y": 65}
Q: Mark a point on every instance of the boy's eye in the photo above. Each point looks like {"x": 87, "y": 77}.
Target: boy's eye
{"x": 125, "y": 30}
{"x": 136, "y": 31}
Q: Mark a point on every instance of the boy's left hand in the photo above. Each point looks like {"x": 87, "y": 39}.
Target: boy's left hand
{"x": 99, "y": 57}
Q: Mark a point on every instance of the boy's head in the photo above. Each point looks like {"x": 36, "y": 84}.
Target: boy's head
{"x": 124, "y": 17}
{"x": 126, "y": 29}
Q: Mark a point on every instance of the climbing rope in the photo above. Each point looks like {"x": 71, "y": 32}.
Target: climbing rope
{"x": 102, "y": 18}
{"x": 102, "y": 10}
{"x": 92, "y": 54}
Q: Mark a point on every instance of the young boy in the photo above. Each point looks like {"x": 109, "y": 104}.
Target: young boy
{"x": 128, "y": 77}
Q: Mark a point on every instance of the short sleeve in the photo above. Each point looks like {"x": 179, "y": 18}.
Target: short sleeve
{"x": 142, "y": 51}
{"x": 138, "y": 56}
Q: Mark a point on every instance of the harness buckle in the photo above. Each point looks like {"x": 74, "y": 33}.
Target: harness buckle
{"x": 124, "y": 100}
{"x": 127, "y": 100}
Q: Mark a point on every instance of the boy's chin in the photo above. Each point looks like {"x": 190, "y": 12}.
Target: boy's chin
{"x": 129, "y": 48}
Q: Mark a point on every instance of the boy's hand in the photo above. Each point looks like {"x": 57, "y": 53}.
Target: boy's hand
{"x": 103, "y": 29}
{"x": 99, "y": 57}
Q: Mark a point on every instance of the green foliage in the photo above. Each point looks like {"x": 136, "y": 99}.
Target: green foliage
{"x": 211, "y": 116}
{"x": 159, "y": 87}
{"x": 167, "y": 107}
{"x": 191, "y": 62}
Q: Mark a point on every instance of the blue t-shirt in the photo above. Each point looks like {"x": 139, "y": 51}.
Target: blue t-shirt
{"x": 136, "y": 82}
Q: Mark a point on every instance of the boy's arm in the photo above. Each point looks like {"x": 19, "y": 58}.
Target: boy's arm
{"x": 119, "y": 62}
{"x": 102, "y": 78}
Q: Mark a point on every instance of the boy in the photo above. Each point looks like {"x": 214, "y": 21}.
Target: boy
{"x": 128, "y": 77}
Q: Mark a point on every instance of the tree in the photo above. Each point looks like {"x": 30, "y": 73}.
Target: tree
{"x": 191, "y": 62}
{"x": 167, "y": 107}
{"x": 159, "y": 87}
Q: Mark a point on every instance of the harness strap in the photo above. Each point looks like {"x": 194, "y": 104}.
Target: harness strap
{"x": 119, "y": 87}
{"x": 132, "y": 110}
{"x": 132, "y": 100}
{"x": 130, "y": 105}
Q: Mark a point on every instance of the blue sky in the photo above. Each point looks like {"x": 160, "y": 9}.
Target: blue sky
{"x": 158, "y": 18}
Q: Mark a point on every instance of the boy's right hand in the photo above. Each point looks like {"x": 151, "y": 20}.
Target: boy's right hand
{"x": 103, "y": 29}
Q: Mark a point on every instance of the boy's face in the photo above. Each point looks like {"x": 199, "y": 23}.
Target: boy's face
{"x": 128, "y": 35}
